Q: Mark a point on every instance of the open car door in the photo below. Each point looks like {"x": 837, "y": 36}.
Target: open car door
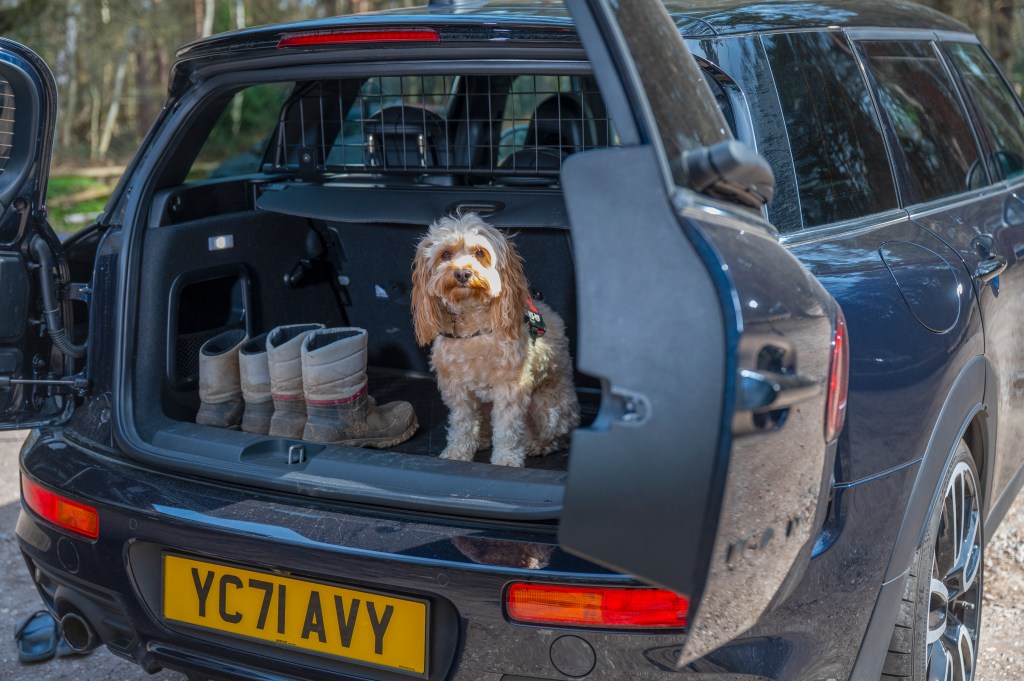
{"x": 667, "y": 484}
{"x": 37, "y": 357}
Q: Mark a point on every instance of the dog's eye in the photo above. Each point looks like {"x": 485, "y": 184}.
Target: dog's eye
{"x": 447, "y": 255}
{"x": 479, "y": 253}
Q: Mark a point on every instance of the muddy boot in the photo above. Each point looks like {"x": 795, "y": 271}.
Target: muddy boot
{"x": 284, "y": 361}
{"x": 254, "y": 371}
{"x": 340, "y": 410}
{"x": 220, "y": 391}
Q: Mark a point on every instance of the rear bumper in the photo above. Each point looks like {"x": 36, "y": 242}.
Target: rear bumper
{"x": 115, "y": 582}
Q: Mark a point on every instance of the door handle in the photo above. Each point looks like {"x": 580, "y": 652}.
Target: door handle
{"x": 762, "y": 391}
{"x": 990, "y": 268}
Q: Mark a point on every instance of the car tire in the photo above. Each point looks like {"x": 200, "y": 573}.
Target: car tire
{"x": 936, "y": 633}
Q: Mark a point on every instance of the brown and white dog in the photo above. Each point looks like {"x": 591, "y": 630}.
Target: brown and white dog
{"x": 491, "y": 345}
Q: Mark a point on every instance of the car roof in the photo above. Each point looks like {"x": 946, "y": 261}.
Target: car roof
{"x": 729, "y": 17}
{"x": 695, "y": 18}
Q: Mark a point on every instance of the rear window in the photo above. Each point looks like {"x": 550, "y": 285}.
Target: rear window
{"x": 997, "y": 107}
{"x": 927, "y": 117}
{"x": 839, "y": 155}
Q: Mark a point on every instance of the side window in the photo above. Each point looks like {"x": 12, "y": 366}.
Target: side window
{"x": 839, "y": 154}
{"x": 236, "y": 144}
{"x": 927, "y": 118}
{"x": 997, "y": 106}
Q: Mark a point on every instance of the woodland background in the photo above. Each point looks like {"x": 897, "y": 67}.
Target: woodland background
{"x": 111, "y": 59}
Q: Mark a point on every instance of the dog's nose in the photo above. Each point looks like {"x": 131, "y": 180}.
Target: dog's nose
{"x": 463, "y": 276}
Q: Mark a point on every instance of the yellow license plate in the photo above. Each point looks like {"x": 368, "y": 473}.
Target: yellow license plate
{"x": 362, "y": 626}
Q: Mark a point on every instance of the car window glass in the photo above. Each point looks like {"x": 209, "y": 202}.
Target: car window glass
{"x": 997, "y": 106}
{"x": 571, "y": 102}
{"x": 236, "y": 144}
{"x": 839, "y": 154}
{"x": 927, "y": 118}
{"x": 442, "y": 125}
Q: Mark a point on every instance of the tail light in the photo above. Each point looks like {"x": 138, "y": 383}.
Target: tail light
{"x": 358, "y": 35}
{"x": 60, "y": 511}
{"x": 585, "y": 606}
{"x": 835, "y": 410}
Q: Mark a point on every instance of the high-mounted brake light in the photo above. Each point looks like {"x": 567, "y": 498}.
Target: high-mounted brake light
{"x": 585, "y": 606}
{"x": 70, "y": 515}
{"x": 839, "y": 372}
{"x": 359, "y": 35}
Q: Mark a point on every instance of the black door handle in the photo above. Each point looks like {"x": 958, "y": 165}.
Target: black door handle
{"x": 990, "y": 268}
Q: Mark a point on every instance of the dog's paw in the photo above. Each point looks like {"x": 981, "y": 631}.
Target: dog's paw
{"x": 513, "y": 458}
{"x": 543, "y": 448}
{"x": 456, "y": 455}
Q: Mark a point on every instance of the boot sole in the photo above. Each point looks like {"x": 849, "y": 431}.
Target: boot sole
{"x": 379, "y": 443}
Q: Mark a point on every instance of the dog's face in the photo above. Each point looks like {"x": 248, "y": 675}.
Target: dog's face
{"x": 462, "y": 264}
{"x": 464, "y": 260}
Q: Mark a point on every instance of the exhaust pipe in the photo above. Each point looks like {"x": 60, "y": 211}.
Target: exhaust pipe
{"x": 78, "y": 633}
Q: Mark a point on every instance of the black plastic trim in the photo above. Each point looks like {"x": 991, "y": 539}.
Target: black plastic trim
{"x": 356, "y": 474}
{"x": 340, "y": 202}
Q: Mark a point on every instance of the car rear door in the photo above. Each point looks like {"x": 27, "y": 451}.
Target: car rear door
{"x": 707, "y": 470}
{"x": 37, "y": 355}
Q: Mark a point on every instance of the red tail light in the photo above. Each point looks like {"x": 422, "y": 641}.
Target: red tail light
{"x": 835, "y": 410}
{"x": 70, "y": 515}
{"x": 375, "y": 35}
{"x": 583, "y": 606}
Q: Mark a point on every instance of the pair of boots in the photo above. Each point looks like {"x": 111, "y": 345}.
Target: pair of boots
{"x": 298, "y": 381}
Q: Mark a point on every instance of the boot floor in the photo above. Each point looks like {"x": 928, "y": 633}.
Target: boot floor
{"x": 431, "y": 436}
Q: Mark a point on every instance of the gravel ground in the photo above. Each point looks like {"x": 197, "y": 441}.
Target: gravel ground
{"x": 1001, "y": 656}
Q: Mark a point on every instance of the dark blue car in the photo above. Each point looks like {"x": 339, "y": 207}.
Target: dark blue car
{"x": 785, "y": 247}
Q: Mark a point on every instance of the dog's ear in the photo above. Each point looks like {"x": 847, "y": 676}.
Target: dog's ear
{"x": 427, "y": 309}
{"x": 507, "y": 312}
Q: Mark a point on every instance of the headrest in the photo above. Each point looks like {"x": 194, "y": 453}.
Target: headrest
{"x": 557, "y": 122}
{"x": 405, "y": 138}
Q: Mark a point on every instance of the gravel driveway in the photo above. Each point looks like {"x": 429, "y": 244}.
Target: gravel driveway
{"x": 1001, "y": 657}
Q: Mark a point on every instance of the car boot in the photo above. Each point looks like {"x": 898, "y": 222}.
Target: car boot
{"x": 254, "y": 372}
{"x": 284, "y": 363}
{"x": 335, "y": 384}
{"x": 220, "y": 391}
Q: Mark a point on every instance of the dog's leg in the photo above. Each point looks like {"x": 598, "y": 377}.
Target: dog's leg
{"x": 484, "y": 420}
{"x": 553, "y": 414}
{"x": 463, "y": 426}
{"x": 508, "y": 423}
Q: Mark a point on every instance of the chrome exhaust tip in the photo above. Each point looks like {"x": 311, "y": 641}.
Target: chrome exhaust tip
{"x": 78, "y": 633}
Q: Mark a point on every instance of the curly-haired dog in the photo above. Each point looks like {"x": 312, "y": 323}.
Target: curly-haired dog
{"x": 491, "y": 345}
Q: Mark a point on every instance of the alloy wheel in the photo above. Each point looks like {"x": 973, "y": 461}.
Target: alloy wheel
{"x": 954, "y": 610}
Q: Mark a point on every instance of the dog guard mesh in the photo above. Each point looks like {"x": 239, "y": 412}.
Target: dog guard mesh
{"x": 494, "y": 126}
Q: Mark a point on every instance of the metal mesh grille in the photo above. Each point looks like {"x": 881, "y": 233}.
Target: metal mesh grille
{"x": 6, "y": 123}
{"x": 509, "y": 125}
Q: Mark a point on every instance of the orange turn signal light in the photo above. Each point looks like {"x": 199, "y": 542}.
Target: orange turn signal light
{"x": 587, "y": 606}
{"x": 60, "y": 511}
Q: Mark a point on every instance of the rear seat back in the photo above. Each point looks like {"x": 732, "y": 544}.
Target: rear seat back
{"x": 377, "y": 264}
